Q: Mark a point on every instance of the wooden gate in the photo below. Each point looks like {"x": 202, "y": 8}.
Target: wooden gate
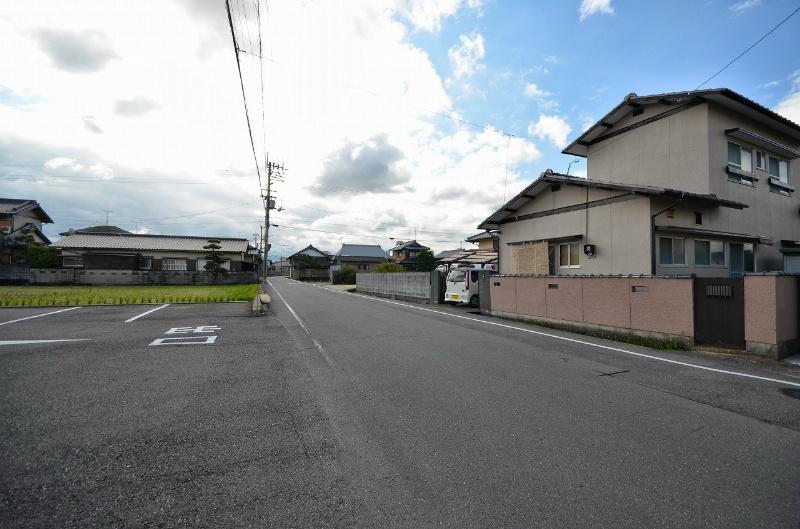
{"x": 719, "y": 311}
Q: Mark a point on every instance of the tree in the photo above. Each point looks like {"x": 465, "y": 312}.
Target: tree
{"x": 346, "y": 275}
{"x": 425, "y": 261}
{"x": 214, "y": 260}
{"x": 41, "y": 256}
{"x": 386, "y": 268}
{"x": 16, "y": 246}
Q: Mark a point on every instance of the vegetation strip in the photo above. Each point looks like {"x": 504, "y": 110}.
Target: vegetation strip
{"x": 53, "y": 296}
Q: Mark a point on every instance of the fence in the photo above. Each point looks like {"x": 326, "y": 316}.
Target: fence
{"x": 310, "y": 274}
{"x": 55, "y": 276}
{"x": 758, "y": 312}
{"x": 658, "y": 307}
{"x": 14, "y": 274}
{"x": 420, "y": 287}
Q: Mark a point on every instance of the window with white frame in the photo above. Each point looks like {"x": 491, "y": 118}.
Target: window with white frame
{"x": 761, "y": 161}
{"x": 740, "y": 157}
{"x": 72, "y": 262}
{"x": 145, "y": 263}
{"x": 778, "y": 168}
{"x": 569, "y": 255}
{"x": 671, "y": 251}
{"x": 709, "y": 253}
{"x": 173, "y": 264}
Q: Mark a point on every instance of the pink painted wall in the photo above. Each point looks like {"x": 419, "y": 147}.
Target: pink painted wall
{"x": 760, "y": 321}
{"x": 771, "y": 309}
{"x": 566, "y": 301}
{"x": 531, "y": 296}
{"x": 786, "y": 301}
{"x": 607, "y": 302}
{"x": 503, "y": 293}
{"x": 666, "y": 306}
{"x": 662, "y": 305}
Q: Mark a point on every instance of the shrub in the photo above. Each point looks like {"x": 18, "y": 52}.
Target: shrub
{"x": 346, "y": 275}
{"x": 385, "y": 268}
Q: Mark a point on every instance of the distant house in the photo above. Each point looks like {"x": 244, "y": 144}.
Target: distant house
{"x": 309, "y": 263}
{"x": 20, "y": 214}
{"x": 362, "y": 256}
{"x": 405, "y": 253}
{"x": 112, "y": 248}
{"x": 486, "y": 240}
{"x": 446, "y": 253}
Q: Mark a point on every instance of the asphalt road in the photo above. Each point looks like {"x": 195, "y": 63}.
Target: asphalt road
{"x": 375, "y": 413}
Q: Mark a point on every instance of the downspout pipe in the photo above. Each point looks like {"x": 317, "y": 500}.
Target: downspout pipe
{"x": 653, "y": 232}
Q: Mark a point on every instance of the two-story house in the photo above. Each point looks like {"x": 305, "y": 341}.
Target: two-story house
{"x": 21, "y": 218}
{"x": 680, "y": 183}
{"x": 405, "y": 253}
{"x": 21, "y": 214}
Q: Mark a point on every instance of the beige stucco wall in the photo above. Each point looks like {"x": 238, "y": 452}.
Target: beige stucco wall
{"x": 671, "y": 152}
{"x": 769, "y": 214}
{"x": 620, "y": 231}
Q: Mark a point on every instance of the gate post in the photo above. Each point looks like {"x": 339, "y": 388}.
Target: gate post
{"x": 484, "y": 292}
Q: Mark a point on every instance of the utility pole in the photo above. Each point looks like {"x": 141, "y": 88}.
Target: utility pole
{"x": 274, "y": 171}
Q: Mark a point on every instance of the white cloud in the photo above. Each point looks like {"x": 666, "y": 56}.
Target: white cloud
{"x": 789, "y": 106}
{"x": 532, "y": 90}
{"x": 465, "y": 58}
{"x": 428, "y": 15}
{"x": 340, "y": 74}
{"x": 591, "y": 7}
{"x": 553, "y": 128}
{"x": 744, "y": 5}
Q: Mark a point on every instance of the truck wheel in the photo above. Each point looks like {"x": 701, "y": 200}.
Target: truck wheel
{"x": 474, "y": 302}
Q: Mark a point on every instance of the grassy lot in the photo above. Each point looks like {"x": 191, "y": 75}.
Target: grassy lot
{"x": 29, "y": 296}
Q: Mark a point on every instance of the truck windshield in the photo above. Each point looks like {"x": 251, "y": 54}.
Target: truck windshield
{"x": 457, "y": 276}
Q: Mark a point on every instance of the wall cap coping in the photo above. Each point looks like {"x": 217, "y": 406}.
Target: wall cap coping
{"x": 598, "y": 276}
{"x": 792, "y": 274}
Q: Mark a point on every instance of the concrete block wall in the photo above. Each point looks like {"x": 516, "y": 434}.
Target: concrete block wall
{"x": 408, "y": 286}
{"x": 40, "y": 276}
{"x": 771, "y": 315}
{"x": 661, "y": 307}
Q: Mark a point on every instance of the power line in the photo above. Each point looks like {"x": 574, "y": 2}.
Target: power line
{"x": 767, "y": 34}
{"x": 241, "y": 82}
{"x": 353, "y": 234}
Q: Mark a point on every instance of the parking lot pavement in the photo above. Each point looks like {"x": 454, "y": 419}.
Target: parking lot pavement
{"x": 192, "y": 415}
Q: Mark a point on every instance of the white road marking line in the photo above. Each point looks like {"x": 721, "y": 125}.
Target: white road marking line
{"x": 566, "y": 339}
{"x": 303, "y": 325}
{"x": 185, "y": 340}
{"x": 22, "y": 342}
{"x": 39, "y": 315}
{"x": 146, "y": 313}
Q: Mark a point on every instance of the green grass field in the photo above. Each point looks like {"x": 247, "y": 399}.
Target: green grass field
{"x": 47, "y": 296}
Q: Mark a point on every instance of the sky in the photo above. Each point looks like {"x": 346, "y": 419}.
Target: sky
{"x": 394, "y": 119}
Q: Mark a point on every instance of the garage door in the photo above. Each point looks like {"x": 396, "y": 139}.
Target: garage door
{"x": 791, "y": 263}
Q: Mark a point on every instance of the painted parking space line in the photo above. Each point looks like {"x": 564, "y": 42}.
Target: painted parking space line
{"x": 188, "y": 337}
{"x": 23, "y": 342}
{"x": 39, "y": 315}
{"x": 145, "y": 313}
{"x": 564, "y": 338}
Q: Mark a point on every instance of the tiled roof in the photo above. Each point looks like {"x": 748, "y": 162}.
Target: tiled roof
{"x": 11, "y": 206}
{"x": 115, "y": 241}
{"x": 361, "y": 250}
{"x": 481, "y": 236}
{"x": 408, "y": 245}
